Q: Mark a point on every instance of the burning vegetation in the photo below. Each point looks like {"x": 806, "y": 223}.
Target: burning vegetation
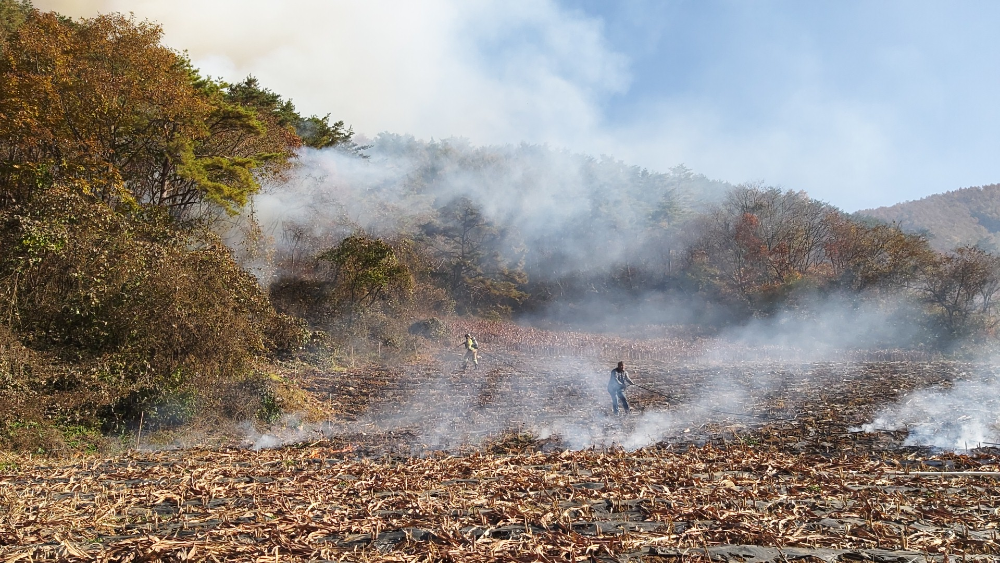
{"x": 229, "y": 332}
{"x": 167, "y": 237}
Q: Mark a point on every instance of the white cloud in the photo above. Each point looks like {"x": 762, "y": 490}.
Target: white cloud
{"x": 778, "y": 94}
{"x": 491, "y": 72}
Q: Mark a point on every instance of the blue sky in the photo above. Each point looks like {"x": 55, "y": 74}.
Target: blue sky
{"x": 913, "y": 83}
{"x": 860, "y": 104}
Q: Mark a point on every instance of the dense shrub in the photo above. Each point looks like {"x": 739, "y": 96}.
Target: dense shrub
{"x": 145, "y": 313}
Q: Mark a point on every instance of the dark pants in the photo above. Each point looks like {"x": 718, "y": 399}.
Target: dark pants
{"x": 618, "y": 395}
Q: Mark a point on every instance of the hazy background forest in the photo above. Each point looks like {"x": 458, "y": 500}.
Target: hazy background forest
{"x": 166, "y": 238}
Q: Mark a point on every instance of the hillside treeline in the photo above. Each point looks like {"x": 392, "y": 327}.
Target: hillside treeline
{"x": 541, "y": 235}
{"x": 764, "y": 249}
{"x": 496, "y": 231}
{"x": 969, "y": 216}
{"x": 165, "y": 236}
{"x": 118, "y": 164}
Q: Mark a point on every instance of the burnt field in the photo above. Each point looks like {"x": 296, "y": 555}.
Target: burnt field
{"x": 744, "y": 456}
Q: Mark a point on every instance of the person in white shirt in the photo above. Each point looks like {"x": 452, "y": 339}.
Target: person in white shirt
{"x": 616, "y": 386}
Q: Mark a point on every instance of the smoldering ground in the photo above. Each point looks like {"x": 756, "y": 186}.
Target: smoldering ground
{"x": 556, "y": 209}
{"x": 687, "y": 390}
{"x": 958, "y": 417}
{"x": 563, "y": 404}
{"x": 561, "y": 401}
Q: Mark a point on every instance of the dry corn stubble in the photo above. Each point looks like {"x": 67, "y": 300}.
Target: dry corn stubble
{"x": 313, "y": 503}
{"x": 799, "y": 487}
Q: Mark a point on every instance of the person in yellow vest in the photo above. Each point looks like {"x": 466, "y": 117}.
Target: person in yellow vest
{"x": 471, "y": 351}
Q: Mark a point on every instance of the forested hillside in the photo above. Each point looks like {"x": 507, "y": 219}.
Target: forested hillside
{"x": 117, "y": 164}
{"x": 503, "y": 230}
{"x": 969, "y": 216}
{"x": 166, "y": 237}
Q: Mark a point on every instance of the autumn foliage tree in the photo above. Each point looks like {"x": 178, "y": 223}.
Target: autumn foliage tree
{"x": 762, "y": 238}
{"x": 861, "y": 256}
{"x": 962, "y": 286}
{"x": 116, "y": 158}
{"x": 102, "y": 106}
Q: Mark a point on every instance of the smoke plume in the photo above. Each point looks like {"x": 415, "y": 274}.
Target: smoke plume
{"x": 959, "y": 418}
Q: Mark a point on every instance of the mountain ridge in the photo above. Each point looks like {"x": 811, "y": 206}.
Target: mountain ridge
{"x": 962, "y": 217}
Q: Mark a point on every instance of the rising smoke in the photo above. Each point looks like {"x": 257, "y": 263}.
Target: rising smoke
{"x": 553, "y": 198}
{"x": 962, "y": 417}
{"x": 560, "y": 206}
{"x": 588, "y": 214}
{"x": 561, "y": 401}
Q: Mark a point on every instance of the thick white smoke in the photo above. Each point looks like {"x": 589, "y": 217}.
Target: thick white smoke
{"x": 825, "y": 328}
{"x": 493, "y": 71}
{"x": 552, "y": 203}
{"x": 959, "y": 418}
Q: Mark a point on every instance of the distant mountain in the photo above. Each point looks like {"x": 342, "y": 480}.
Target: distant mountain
{"x": 969, "y": 216}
